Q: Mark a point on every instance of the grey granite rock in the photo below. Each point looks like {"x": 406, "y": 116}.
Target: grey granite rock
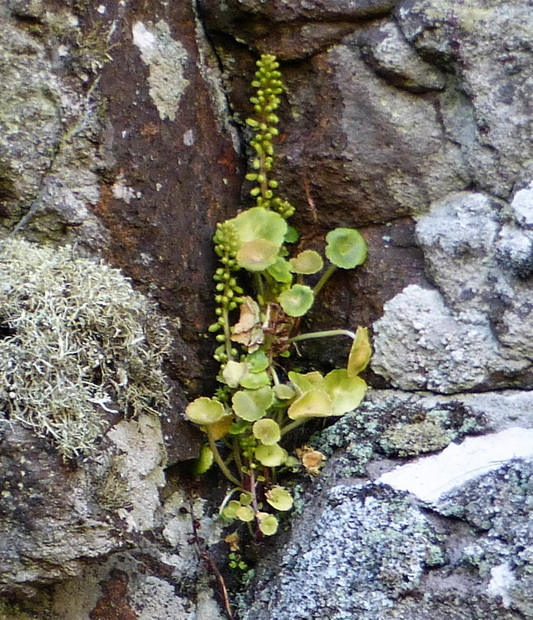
{"x": 488, "y": 48}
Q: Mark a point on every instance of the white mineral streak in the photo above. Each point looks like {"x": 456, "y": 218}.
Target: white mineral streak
{"x": 431, "y": 477}
{"x": 166, "y": 59}
{"x": 501, "y": 583}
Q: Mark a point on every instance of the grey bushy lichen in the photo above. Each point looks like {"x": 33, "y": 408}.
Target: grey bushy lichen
{"x": 76, "y": 343}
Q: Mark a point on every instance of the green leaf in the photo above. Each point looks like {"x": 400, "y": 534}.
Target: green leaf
{"x": 279, "y": 498}
{"x": 234, "y": 372}
{"x": 251, "y": 405}
{"x": 267, "y": 431}
{"x": 280, "y": 271}
{"x": 271, "y": 456}
{"x": 257, "y": 255}
{"x": 312, "y": 404}
{"x": 283, "y": 392}
{"x": 205, "y": 410}
{"x": 360, "y": 353}
{"x": 346, "y": 248}
{"x": 245, "y": 513}
{"x": 296, "y": 300}
{"x": 230, "y": 511}
{"x": 315, "y": 379}
{"x": 291, "y": 235}
{"x": 307, "y": 262}
{"x": 301, "y": 382}
{"x": 238, "y": 427}
{"x": 253, "y": 381}
{"x": 246, "y": 498}
{"x": 346, "y": 392}
{"x": 257, "y": 361}
{"x": 268, "y": 524}
{"x": 259, "y": 223}
{"x": 204, "y": 461}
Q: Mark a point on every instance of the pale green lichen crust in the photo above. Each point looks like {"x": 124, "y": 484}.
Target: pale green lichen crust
{"x": 76, "y": 343}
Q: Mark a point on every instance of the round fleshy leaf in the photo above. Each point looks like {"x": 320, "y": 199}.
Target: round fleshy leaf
{"x": 220, "y": 429}
{"x": 300, "y": 382}
{"x": 204, "y": 461}
{"x": 205, "y": 410}
{"x": 230, "y": 511}
{"x": 346, "y": 248}
{"x": 307, "y": 262}
{"x": 251, "y": 405}
{"x": 257, "y": 255}
{"x": 268, "y": 524}
{"x": 360, "y": 353}
{"x": 315, "y": 378}
{"x": 291, "y": 235}
{"x": 271, "y": 456}
{"x": 346, "y": 392}
{"x": 245, "y": 513}
{"x": 255, "y": 380}
{"x": 267, "y": 431}
{"x": 283, "y": 392}
{"x": 238, "y": 426}
{"x": 259, "y": 223}
{"x": 296, "y": 300}
{"x": 246, "y": 498}
{"x": 257, "y": 361}
{"x": 234, "y": 372}
{"x": 280, "y": 271}
{"x": 312, "y": 404}
{"x": 279, "y": 498}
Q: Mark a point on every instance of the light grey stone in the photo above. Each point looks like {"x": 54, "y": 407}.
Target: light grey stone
{"x": 458, "y": 237}
{"x": 350, "y": 556}
{"x": 488, "y": 47}
{"x": 389, "y": 54}
{"x": 420, "y": 345}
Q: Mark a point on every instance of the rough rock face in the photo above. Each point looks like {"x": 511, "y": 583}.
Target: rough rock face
{"x": 475, "y": 331}
{"x": 122, "y": 133}
{"x": 445, "y": 536}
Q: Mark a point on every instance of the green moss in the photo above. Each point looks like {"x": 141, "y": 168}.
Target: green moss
{"x": 112, "y": 489}
{"x": 414, "y": 439}
{"x": 78, "y": 343}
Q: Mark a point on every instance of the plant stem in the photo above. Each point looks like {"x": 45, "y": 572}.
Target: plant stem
{"x": 237, "y": 455}
{"x": 325, "y": 277}
{"x": 293, "y": 425}
{"x": 259, "y": 285}
{"x": 218, "y": 458}
{"x": 227, "y": 335}
{"x": 324, "y": 334}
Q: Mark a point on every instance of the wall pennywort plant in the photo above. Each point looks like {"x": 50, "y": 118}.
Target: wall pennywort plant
{"x": 259, "y": 402}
